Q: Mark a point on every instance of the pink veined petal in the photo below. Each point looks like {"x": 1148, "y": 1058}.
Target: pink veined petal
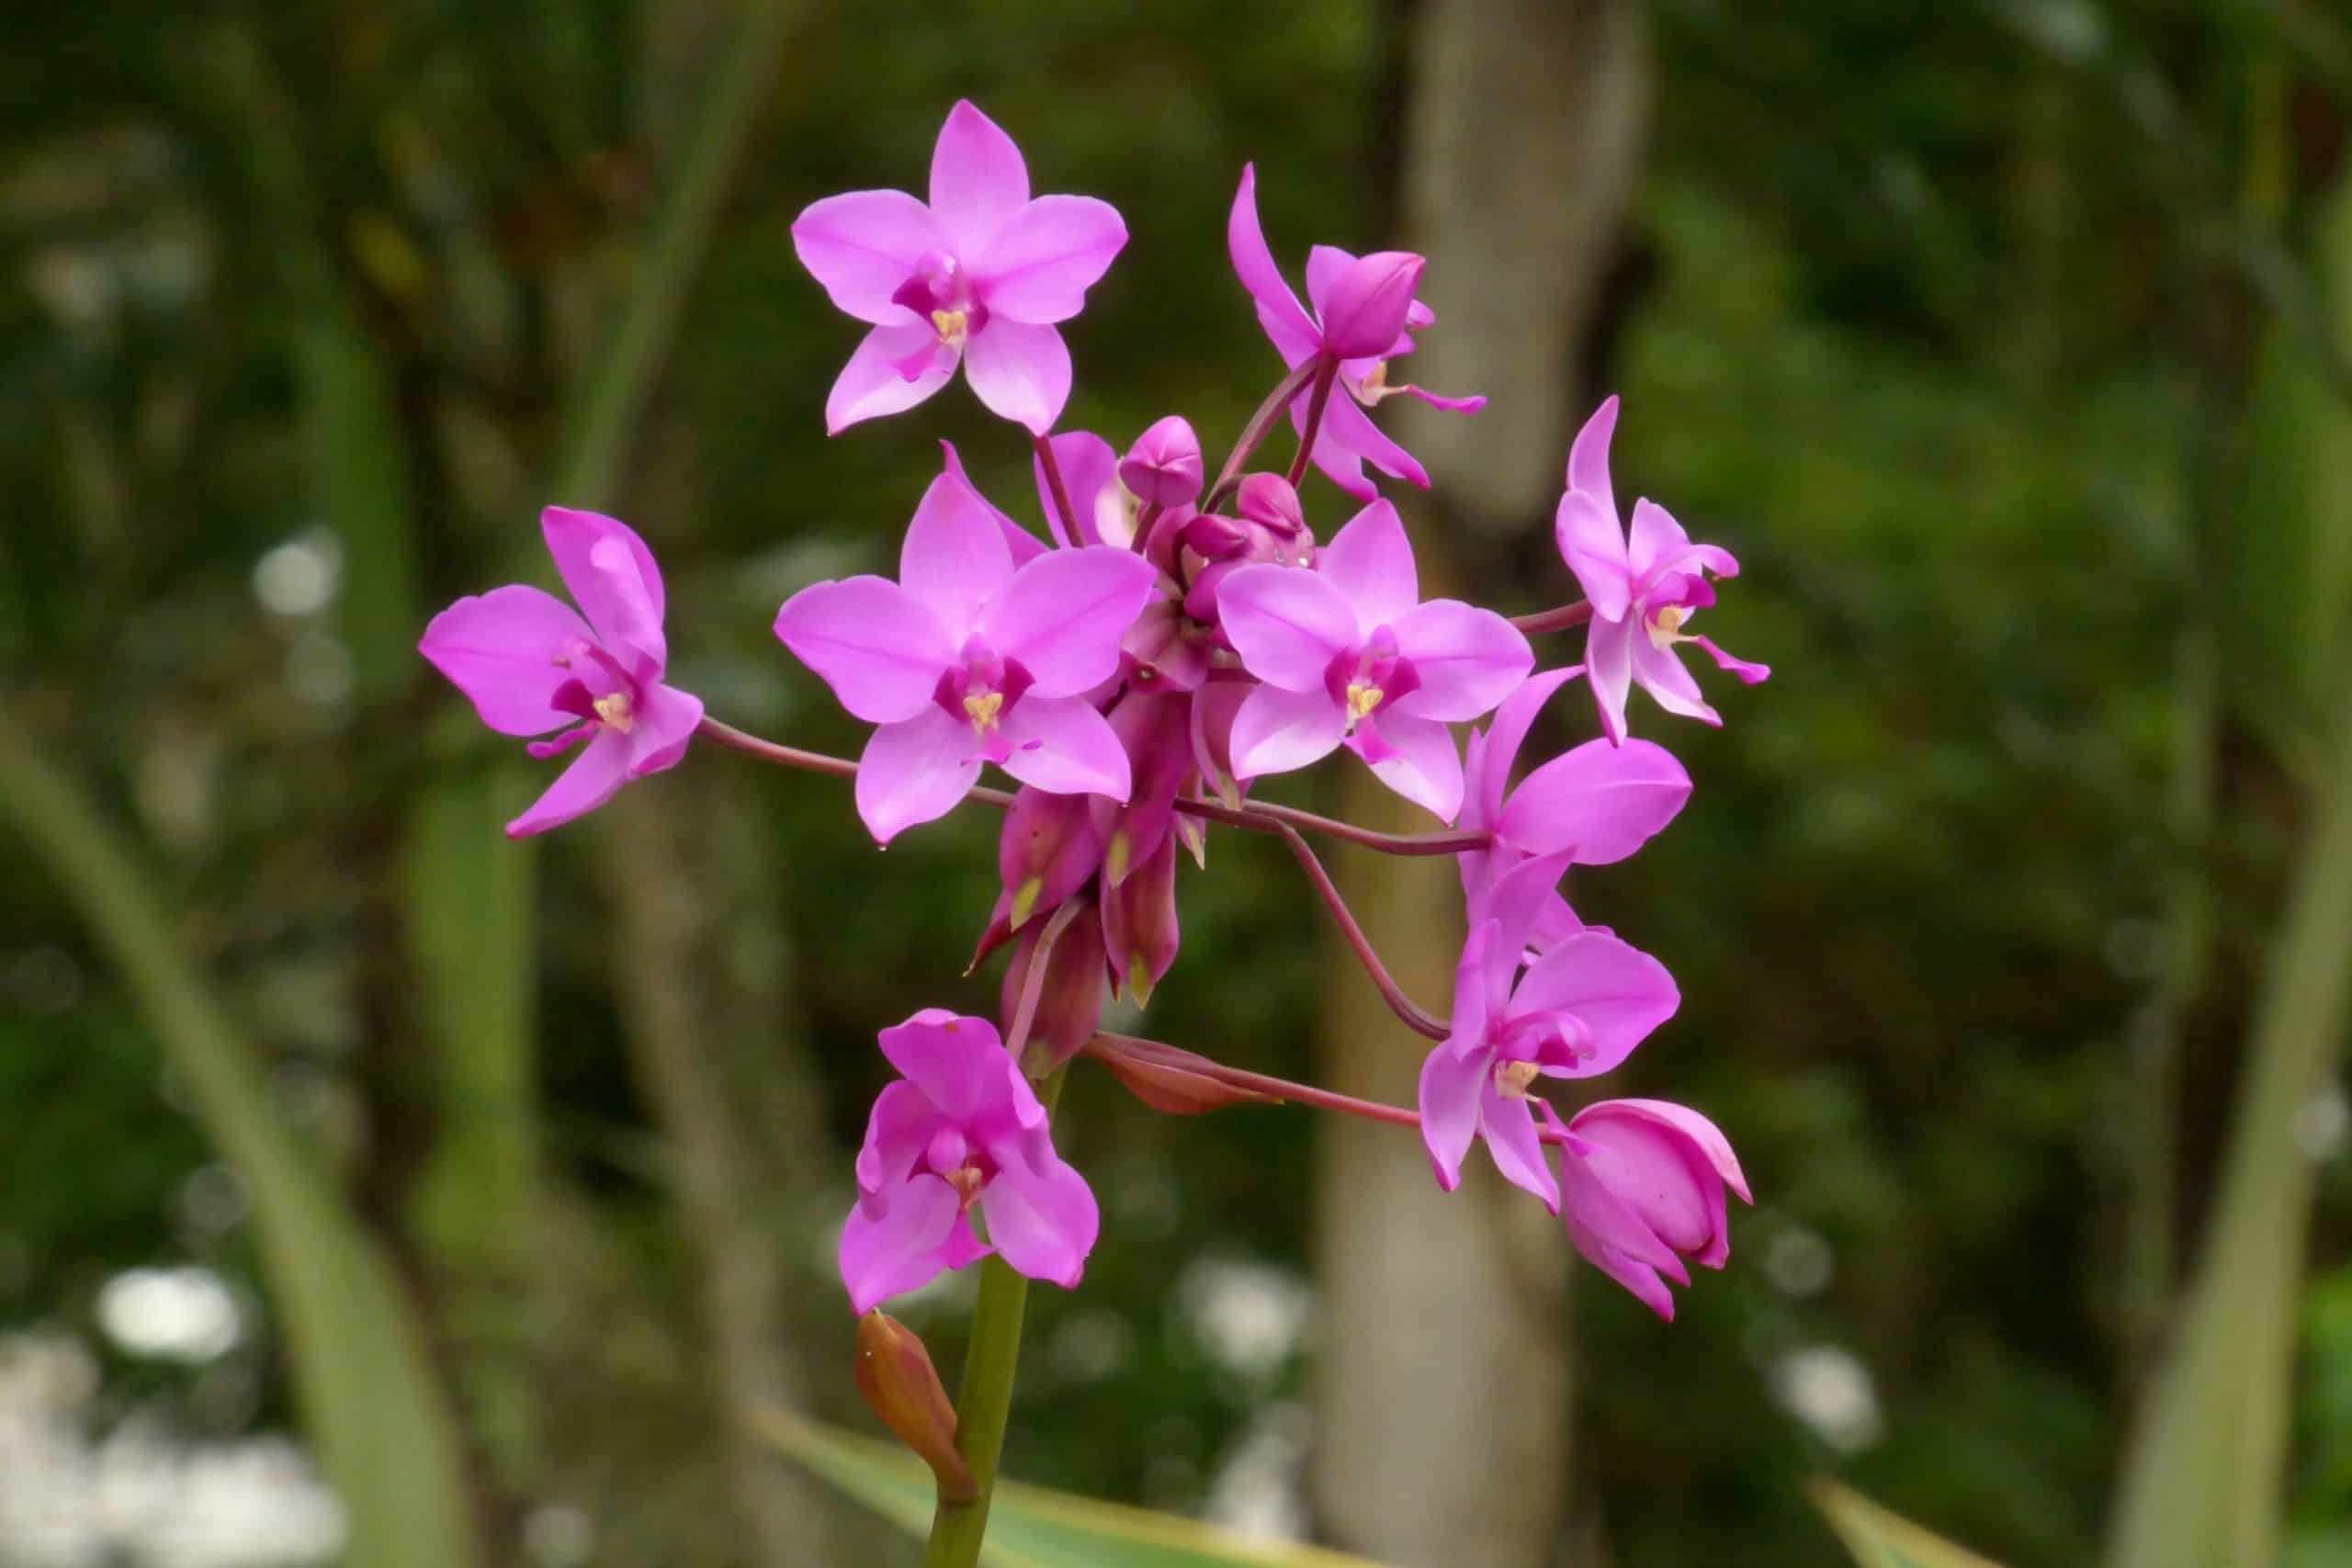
{"x": 1613, "y": 1239}
{"x": 1063, "y": 747}
{"x": 1473, "y": 999}
{"x": 1285, "y": 321}
{"x": 1662, "y": 1177}
{"x": 1422, "y": 764}
{"x": 956, "y": 1059}
{"x": 499, "y": 650}
{"x": 1621, "y": 992}
{"x": 1601, "y": 801}
{"x": 896, "y": 1130}
{"x": 1515, "y": 901}
{"x": 1064, "y": 614}
{"x": 1594, "y": 549}
{"x": 1326, "y": 264}
{"x": 914, "y": 771}
{"x": 977, "y": 180}
{"x": 894, "y": 1240}
{"x": 1370, "y": 561}
{"x": 1660, "y": 671}
{"x": 1091, "y": 470}
{"x": 1348, "y": 436}
{"x": 1589, "y": 458}
{"x": 1019, "y": 372}
{"x": 1609, "y": 669}
{"x": 880, "y": 648}
{"x": 1277, "y": 731}
{"x": 1047, "y": 256}
{"x": 863, "y": 246}
{"x": 1513, "y": 1144}
{"x": 877, "y": 381}
{"x": 1468, "y": 660}
{"x": 1702, "y": 1133}
{"x": 1043, "y": 1219}
{"x": 1746, "y": 670}
{"x": 664, "y": 722}
{"x": 1512, "y": 720}
{"x": 1449, "y": 1103}
{"x": 1025, "y": 546}
{"x": 1655, "y": 543}
{"x": 612, "y": 576}
{"x": 955, "y": 557}
{"x": 594, "y": 778}
{"x": 1287, "y": 624}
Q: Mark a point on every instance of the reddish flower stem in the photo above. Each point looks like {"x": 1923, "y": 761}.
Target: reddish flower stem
{"x": 1106, "y": 1043}
{"x": 1144, "y": 519}
{"x": 1263, "y": 818}
{"x": 1063, "y": 528}
{"x": 1256, "y": 430}
{"x": 1328, "y": 373}
{"x": 1390, "y": 991}
{"x": 1558, "y": 620}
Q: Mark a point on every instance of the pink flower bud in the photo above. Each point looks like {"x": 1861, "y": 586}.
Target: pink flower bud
{"x": 1644, "y": 1183}
{"x": 1164, "y": 465}
{"x": 1069, "y": 1005}
{"x": 1049, "y": 847}
{"x": 1139, "y": 923}
{"x": 1168, "y": 1084}
{"x": 895, "y": 1374}
{"x": 1270, "y": 500}
{"x": 1369, "y": 305}
{"x": 1213, "y": 537}
{"x": 1154, "y": 729}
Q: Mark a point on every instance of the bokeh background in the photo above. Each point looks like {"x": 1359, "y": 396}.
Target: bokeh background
{"x": 344, "y": 1143}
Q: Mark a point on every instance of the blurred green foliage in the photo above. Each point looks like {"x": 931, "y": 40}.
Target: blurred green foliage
{"x": 2002, "y": 343}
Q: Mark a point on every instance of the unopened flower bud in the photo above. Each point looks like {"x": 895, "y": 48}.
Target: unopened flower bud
{"x": 895, "y": 1374}
{"x": 1643, "y": 1183}
{"x": 1369, "y": 305}
{"x": 1154, "y": 729}
{"x": 1177, "y": 1089}
{"x": 1047, "y": 851}
{"x": 1160, "y": 652}
{"x": 1139, "y": 923}
{"x": 1272, "y": 501}
{"x": 1069, "y": 1000}
{"x": 1164, "y": 465}
{"x": 1213, "y": 537}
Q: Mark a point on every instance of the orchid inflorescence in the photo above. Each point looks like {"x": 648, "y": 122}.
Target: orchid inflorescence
{"x": 1135, "y": 670}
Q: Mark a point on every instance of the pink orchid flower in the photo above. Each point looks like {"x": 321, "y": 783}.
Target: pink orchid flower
{"x": 1349, "y": 653}
{"x": 1578, "y": 1010}
{"x": 531, "y": 664}
{"x": 961, "y": 1126}
{"x": 969, "y": 659}
{"x": 978, "y": 276}
{"x": 1643, "y": 588}
{"x": 1597, "y": 802}
{"x": 1645, "y": 1182}
{"x": 1364, "y": 315}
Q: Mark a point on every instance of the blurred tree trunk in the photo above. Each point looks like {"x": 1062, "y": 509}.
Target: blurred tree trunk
{"x": 1444, "y": 1402}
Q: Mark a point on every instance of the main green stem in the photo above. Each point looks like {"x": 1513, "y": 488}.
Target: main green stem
{"x": 984, "y": 1401}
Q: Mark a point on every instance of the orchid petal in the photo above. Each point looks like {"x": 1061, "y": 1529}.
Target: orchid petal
{"x": 1660, "y": 671}
{"x": 664, "y": 721}
{"x": 955, "y": 557}
{"x": 897, "y": 1132}
{"x": 1589, "y": 460}
{"x": 1043, "y": 1219}
{"x": 1613, "y": 1239}
{"x": 1326, "y": 264}
{"x": 1421, "y": 764}
{"x": 977, "y": 180}
{"x": 1746, "y": 670}
{"x": 1601, "y": 801}
{"x": 863, "y": 246}
{"x": 1703, "y": 1134}
{"x": 1594, "y": 548}
{"x": 1064, "y": 614}
{"x": 1515, "y": 1147}
{"x": 1025, "y": 546}
{"x": 1609, "y": 670}
{"x": 1370, "y": 561}
{"x": 1287, "y": 625}
{"x": 612, "y": 576}
{"x": 500, "y": 649}
{"x": 1620, "y": 992}
{"x": 893, "y": 1240}
{"x": 1042, "y": 262}
{"x": 877, "y": 381}
{"x": 956, "y": 1059}
{"x": 1063, "y": 747}
{"x": 1019, "y": 372}
{"x": 1514, "y": 902}
{"x": 879, "y": 648}
{"x": 1090, "y": 470}
{"x": 594, "y": 778}
{"x": 1661, "y": 1175}
{"x": 1509, "y": 731}
{"x": 1295, "y": 333}
{"x": 1348, "y": 439}
{"x": 1468, "y": 660}
{"x": 1277, "y": 731}
{"x": 914, "y": 771}
{"x": 1450, "y": 1079}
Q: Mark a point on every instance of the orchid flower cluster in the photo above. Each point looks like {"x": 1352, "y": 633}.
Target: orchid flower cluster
{"x": 1167, "y": 642}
